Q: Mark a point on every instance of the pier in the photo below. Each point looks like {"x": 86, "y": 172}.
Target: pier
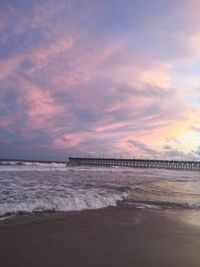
{"x": 136, "y": 163}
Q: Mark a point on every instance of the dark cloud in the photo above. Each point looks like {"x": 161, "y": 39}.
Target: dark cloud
{"x": 167, "y": 147}
{"x": 175, "y": 154}
{"x": 142, "y": 147}
{"x": 169, "y": 152}
{"x": 196, "y": 151}
{"x": 195, "y": 129}
{"x": 172, "y": 140}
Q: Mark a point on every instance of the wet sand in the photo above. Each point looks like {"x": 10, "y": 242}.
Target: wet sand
{"x": 107, "y": 237}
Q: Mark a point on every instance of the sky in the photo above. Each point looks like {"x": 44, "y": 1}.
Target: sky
{"x": 105, "y": 78}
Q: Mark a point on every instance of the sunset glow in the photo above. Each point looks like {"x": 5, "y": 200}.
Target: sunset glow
{"x": 99, "y": 77}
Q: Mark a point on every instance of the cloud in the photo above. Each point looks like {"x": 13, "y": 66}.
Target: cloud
{"x": 9, "y": 66}
{"x": 167, "y": 147}
{"x": 90, "y": 82}
{"x": 143, "y": 148}
{"x": 43, "y": 56}
{"x": 172, "y": 140}
{"x": 168, "y": 153}
{"x": 175, "y": 154}
{"x": 5, "y": 122}
{"x": 196, "y": 151}
{"x": 195, "y": 129}
{"x": 41, "y": 108}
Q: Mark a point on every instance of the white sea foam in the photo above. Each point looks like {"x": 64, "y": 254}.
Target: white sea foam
{"x": 77, "y": 200}
{"x": 146, "y": 206}
{"x": 54, "y": 166}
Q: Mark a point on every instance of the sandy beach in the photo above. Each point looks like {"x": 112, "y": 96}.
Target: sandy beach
{"x": 106, "y": 237}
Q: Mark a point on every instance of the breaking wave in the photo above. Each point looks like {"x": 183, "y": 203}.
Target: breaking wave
{"x": 161, "y": 204}
{"x": 75, "y": 201}
{"x": 31, "y": 163}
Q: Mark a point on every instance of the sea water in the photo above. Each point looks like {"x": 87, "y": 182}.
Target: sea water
{"x": 27, "y": 187}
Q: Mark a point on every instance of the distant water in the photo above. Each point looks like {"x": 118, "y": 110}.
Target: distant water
{"x": 27, "y": 187}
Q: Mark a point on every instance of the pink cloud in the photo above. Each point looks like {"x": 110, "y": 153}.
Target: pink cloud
{"x": 82, "y": 66}
{"x": 41, "y": 56}
{"x": 108, "y": 127}
{"x": 41, "y": 104}
{"x": 71, "y": 140}
{"x": 5, "y": 122}
{"x": 39, "y": 16}
{"x": 9, "y": 66}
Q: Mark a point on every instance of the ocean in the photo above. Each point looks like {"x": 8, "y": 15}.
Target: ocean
{"x": 29, "y": 187}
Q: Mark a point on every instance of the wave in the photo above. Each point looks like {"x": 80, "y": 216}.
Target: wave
{"x": 160, "y": 204}
{"x": 31, "y": 163}
{"x": 52, "y": 166}
{"x": 86, "y": 201}
{"x": 73, "y": 202}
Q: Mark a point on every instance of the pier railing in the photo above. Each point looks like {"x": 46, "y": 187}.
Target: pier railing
{"x": 136, "y": 163}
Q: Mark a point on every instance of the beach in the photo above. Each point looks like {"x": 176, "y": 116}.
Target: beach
{"x": 52, "y": 215}
{"x": 104, "y": 237}
{"x": 99, "y": 133}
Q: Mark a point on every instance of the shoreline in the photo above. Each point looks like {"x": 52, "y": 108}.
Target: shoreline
{"x": 116, "y": 236}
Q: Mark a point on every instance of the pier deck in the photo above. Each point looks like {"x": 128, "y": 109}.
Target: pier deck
{"x": 136, "y": 163}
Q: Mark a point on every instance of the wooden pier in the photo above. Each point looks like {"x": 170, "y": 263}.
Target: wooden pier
{"x": 136, "y": 163}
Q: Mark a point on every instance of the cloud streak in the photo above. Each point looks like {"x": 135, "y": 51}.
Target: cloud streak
{"x": 93, "y": 83}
